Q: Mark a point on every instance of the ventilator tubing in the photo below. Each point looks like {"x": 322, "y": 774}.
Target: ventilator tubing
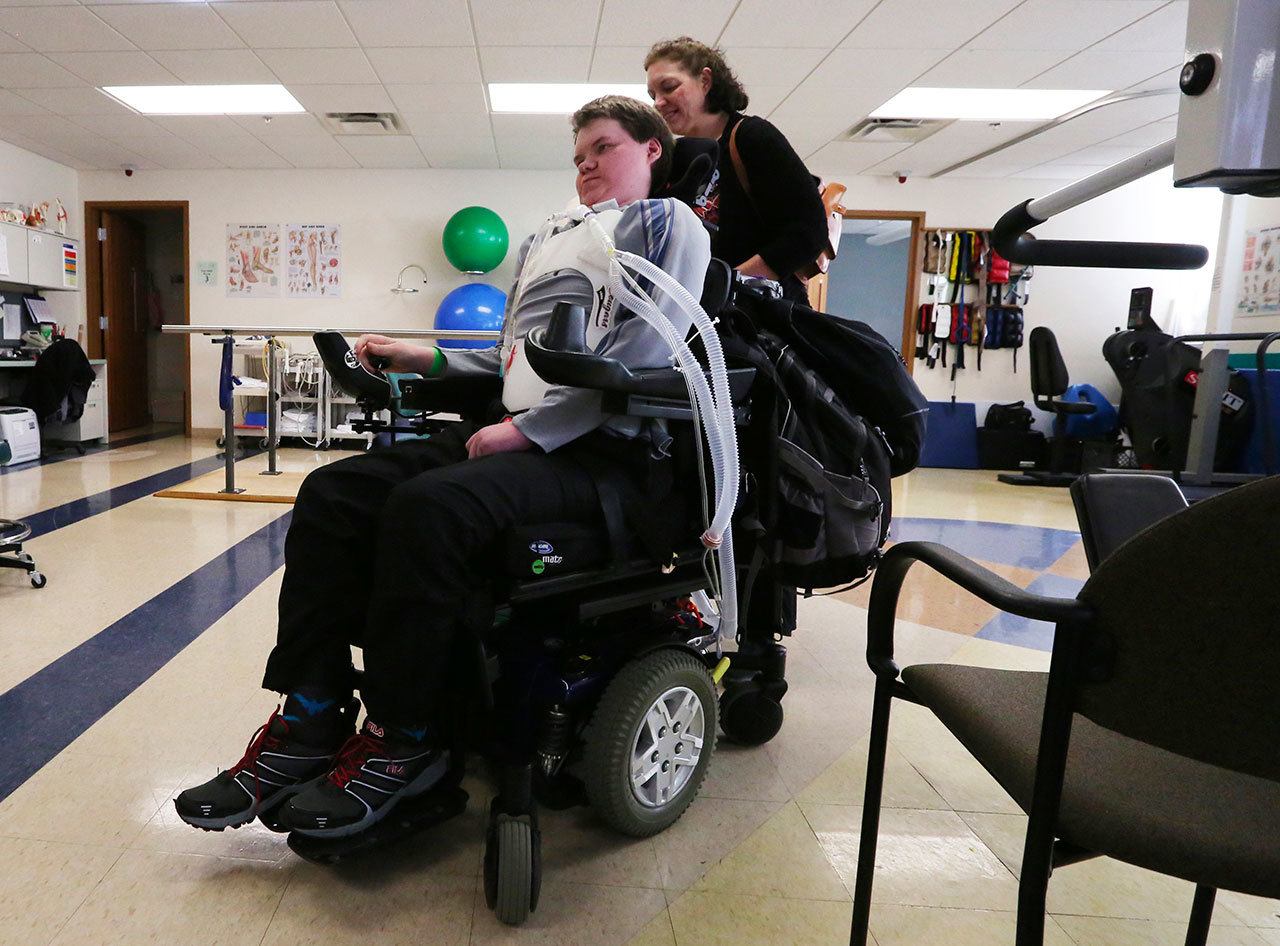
{"x": 714, "y": 407}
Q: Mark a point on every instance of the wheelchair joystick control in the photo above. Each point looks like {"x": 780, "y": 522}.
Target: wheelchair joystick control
{"x": 567, "y": 330}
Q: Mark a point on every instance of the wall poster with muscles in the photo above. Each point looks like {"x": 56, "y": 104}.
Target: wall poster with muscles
{"x": 315, "y": 260}
{"x": 1260, "y": 285}
{"x": 253, "y": 260}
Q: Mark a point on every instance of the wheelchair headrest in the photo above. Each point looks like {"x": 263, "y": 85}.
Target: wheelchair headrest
{"x": 371, "y": 391}
{"x": 716, "y": 287}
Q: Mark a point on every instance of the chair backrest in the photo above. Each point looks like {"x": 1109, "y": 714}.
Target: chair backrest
{"x": 1114, "y": 507}
{"x": 1190, "y": 610}
{"x": 1049, "y": 378}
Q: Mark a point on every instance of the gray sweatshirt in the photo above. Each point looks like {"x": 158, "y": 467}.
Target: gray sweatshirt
{"x": 668, "y": 234}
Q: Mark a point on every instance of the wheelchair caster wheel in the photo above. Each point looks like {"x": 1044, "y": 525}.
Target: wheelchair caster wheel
{"x": 38, "y": 580}
{"x": 749, "y": 717}
{"x": 650, "y": 741}
{"x": 512, "y": 868}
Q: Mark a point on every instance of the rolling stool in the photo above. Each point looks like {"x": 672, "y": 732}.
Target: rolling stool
{"x": 12, "y": 534}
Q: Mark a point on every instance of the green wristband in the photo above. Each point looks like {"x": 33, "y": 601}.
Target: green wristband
{"x": 437, "y": 363}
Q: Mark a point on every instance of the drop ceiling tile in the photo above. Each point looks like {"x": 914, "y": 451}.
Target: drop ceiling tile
{"x": 53, "y": 130}
{"x": 990, "y": 168}
{"x": 310, "y": 152}
{"x": 175, "y": 154}
{"x": 980, "y": 69}
{"x": 1062, "y": 24}
{"x": 906, "y": 24}
{"x": 618, "y": 64}
{"x": 409, "y": 22}
{"x": 1104, "y": 154}
{"x": 955, "y": 142}
{"x": 34, "y": 71}
{"x": 398, "y": 152}
{"x": 756, "y": 65}
{"x": 241, "y": 152}
{"x": 1104, "y": 69}
{"x": 82, "y": 100}
{"x": 1146, "y": 136}
{"x": 194, "y": 128}
{"x": 537, "y": 64}
{"x": 535, "y": 22}
{"x": 216, "y": 66}
{"x": 10, "y": 45}
{"x": 439, "y": 97}
{"x": 534, "y": 141}
{"x": 441, "y": 126}
{"x": 283, "y": 24}
{"x": 281, "y": 126}
{"x": 169, "y": 25}
{"x": 1167, "y": 80}
{"x": 115, "y": 68}
{"x": 408, "y": 64}
{"x": 812, "y": 23}
{"x": 11, "y": 104}
{"x": 124, "y": 128}
{"x": 1061, "y": 171}
{"x": 462, "y": 151}
{"x": 342, "y": 98}
{"x": 38, "y": 3}
{"x": 60, "y": 28}
{"x": 765, "y": 98}
{"x": 854, "y": 72}
{"x": 1162, "y": 31}
{"x": 319, "y": 66}
{"x": 626, "y": 23}
{"x": 102, "y": 154}
{"x": 851, "y": 157}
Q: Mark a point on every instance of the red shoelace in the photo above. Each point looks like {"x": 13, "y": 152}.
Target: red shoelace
{"x": 262, "y": 739}
{"x": 353, "y": 754}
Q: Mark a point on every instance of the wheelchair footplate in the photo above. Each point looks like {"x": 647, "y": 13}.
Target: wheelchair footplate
{"x": 409, "y": 817}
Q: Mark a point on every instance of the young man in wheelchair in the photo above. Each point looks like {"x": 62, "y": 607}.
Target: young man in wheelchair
{"x": 408, "y": 527}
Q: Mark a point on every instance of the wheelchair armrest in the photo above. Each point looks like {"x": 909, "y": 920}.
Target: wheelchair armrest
{"x": 371, "y": 391}
{"x": 559, "y": 355}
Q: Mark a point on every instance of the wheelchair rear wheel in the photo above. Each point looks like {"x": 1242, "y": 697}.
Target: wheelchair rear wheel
{"x": 650, "y": 742}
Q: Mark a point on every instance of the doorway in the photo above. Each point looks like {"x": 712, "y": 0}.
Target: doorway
{"x": 136, "y": 266}
{"x": 873, "y": 278}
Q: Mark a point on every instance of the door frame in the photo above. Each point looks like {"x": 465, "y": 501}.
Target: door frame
{"x": 93, "y": 279}
{"x": 911, "y": 297}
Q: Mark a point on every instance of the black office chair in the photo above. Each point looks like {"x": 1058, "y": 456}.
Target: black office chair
{"x": 1049, "y": 381}
{"x": 1152, "y": 737}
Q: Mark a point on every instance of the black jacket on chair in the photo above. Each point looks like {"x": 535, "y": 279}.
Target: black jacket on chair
{"x": 59, "y": 383}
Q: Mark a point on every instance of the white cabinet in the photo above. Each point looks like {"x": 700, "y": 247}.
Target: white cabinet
{"x": 39, "y": 258}
{"x": 13, "y": 253}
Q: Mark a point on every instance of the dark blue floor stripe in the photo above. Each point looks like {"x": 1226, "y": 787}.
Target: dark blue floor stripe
{"x": 67, "y": 514}
{"x": 46, "y": 712}
{"x": 1033, "y": 547}
{"x": 72, "y": 454}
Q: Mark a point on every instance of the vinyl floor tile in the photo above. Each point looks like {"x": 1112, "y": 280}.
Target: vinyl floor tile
{"x": 703, "y": 918}
{"x": 895, "y": 925}
{"x": 43, "y": 882}
{"x": 574, "y": 915}
{"x": 1106, "y": 931}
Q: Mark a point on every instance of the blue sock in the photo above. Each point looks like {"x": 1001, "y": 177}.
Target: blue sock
{"x": 309, "y": 705}
{"x": 414, "y": 736}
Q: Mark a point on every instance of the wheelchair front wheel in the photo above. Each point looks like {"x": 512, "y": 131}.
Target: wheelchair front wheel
{"x": 650, "y": 741}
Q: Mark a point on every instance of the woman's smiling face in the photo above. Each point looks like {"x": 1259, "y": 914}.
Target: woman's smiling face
{"x": 678, "y": 96}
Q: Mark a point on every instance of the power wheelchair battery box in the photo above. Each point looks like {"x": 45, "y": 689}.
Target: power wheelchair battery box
{"x": 1010, "y": 449}
{"x": 532, "y": 552}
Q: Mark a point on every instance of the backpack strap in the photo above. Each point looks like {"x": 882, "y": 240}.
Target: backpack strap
{"x": 739, "y": 169}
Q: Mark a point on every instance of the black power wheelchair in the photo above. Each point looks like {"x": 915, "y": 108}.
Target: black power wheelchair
{"x": 595, "y": 677}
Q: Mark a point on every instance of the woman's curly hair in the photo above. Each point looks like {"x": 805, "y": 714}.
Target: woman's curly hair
{"x": 726, "y": 93}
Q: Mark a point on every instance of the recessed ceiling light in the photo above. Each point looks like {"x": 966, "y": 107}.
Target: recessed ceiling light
{"x": 986, "y": 105}
{"x": 205, "y": 99}
{"x": 555, "y": 98}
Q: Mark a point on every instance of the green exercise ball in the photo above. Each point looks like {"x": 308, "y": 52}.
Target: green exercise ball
{"x": 475, "y": 240}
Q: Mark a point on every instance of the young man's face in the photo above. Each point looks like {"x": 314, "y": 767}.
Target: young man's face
{"x": 612, "y": 164}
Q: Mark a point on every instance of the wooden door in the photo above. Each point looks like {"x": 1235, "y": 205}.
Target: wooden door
{"x": 124, "y": 304}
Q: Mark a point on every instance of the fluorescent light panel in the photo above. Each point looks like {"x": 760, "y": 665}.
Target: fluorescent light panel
{"x": 986, "y": 105}
{"x": 205, "y": 99}
{"x": 554, "y": 98}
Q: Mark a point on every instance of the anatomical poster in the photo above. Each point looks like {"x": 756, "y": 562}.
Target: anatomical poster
{"x": 1260, "y": 279}
{"x": 253, "y": 260}
{"x": 315, "y": 260}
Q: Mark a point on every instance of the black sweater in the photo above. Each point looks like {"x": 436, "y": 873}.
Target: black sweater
{"x": 782, "y": 220}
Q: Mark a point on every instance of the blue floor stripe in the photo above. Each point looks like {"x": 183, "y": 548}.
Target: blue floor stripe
{"x": 67, "y": 514}
{"x": 50, "y": 709}
{"x": 72, "y": 454}
{"x": 1031, "y": 547}
{"x": 1024, "y": 632}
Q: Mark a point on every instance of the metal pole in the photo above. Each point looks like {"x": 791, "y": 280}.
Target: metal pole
{"x": 1211, "y": 385}
{"x": 273, "y": 406}
{"x": 284, "y": 331}
{"x": 1103, "y": 182}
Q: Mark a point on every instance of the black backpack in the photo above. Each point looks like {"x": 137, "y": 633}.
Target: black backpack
{"x": 831, "y": 497}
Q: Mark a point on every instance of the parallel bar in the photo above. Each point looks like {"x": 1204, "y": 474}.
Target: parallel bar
{"x": 307, "y": 331}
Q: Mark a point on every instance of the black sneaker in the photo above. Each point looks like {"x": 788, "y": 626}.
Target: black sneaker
{"x": 274, "y": 767}
{"x": 370, "y": 776}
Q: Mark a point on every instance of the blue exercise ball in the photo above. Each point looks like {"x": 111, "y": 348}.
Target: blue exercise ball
{"x": 475, "y": 306}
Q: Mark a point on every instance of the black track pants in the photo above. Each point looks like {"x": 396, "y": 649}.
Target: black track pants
{"x": 385, "y": 551}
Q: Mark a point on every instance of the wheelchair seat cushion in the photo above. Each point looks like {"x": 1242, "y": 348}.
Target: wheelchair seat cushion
{"x": 550, "y": 549}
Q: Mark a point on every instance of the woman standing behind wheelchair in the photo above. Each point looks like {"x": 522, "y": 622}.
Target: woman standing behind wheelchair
{"x": 772, "y": 223}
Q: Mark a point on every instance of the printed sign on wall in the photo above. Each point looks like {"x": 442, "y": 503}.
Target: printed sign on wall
{"x": 70, "y": 266}
{"x": 253, "y": 256}
{"x": 1260, "y": 280}
{"x": 315, "y": 261}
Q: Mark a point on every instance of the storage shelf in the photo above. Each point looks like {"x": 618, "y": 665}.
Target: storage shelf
{"x": 251, "y": 392}
{"x": 346, "y": 435}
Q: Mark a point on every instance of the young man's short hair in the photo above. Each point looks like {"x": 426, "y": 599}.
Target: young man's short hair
{"x": 640, "y": 121}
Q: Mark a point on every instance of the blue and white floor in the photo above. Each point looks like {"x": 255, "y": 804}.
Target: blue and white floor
{"x": 136, "y": 671}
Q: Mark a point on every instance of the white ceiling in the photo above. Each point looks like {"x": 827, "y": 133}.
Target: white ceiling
{"x": 814, "y": 67}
